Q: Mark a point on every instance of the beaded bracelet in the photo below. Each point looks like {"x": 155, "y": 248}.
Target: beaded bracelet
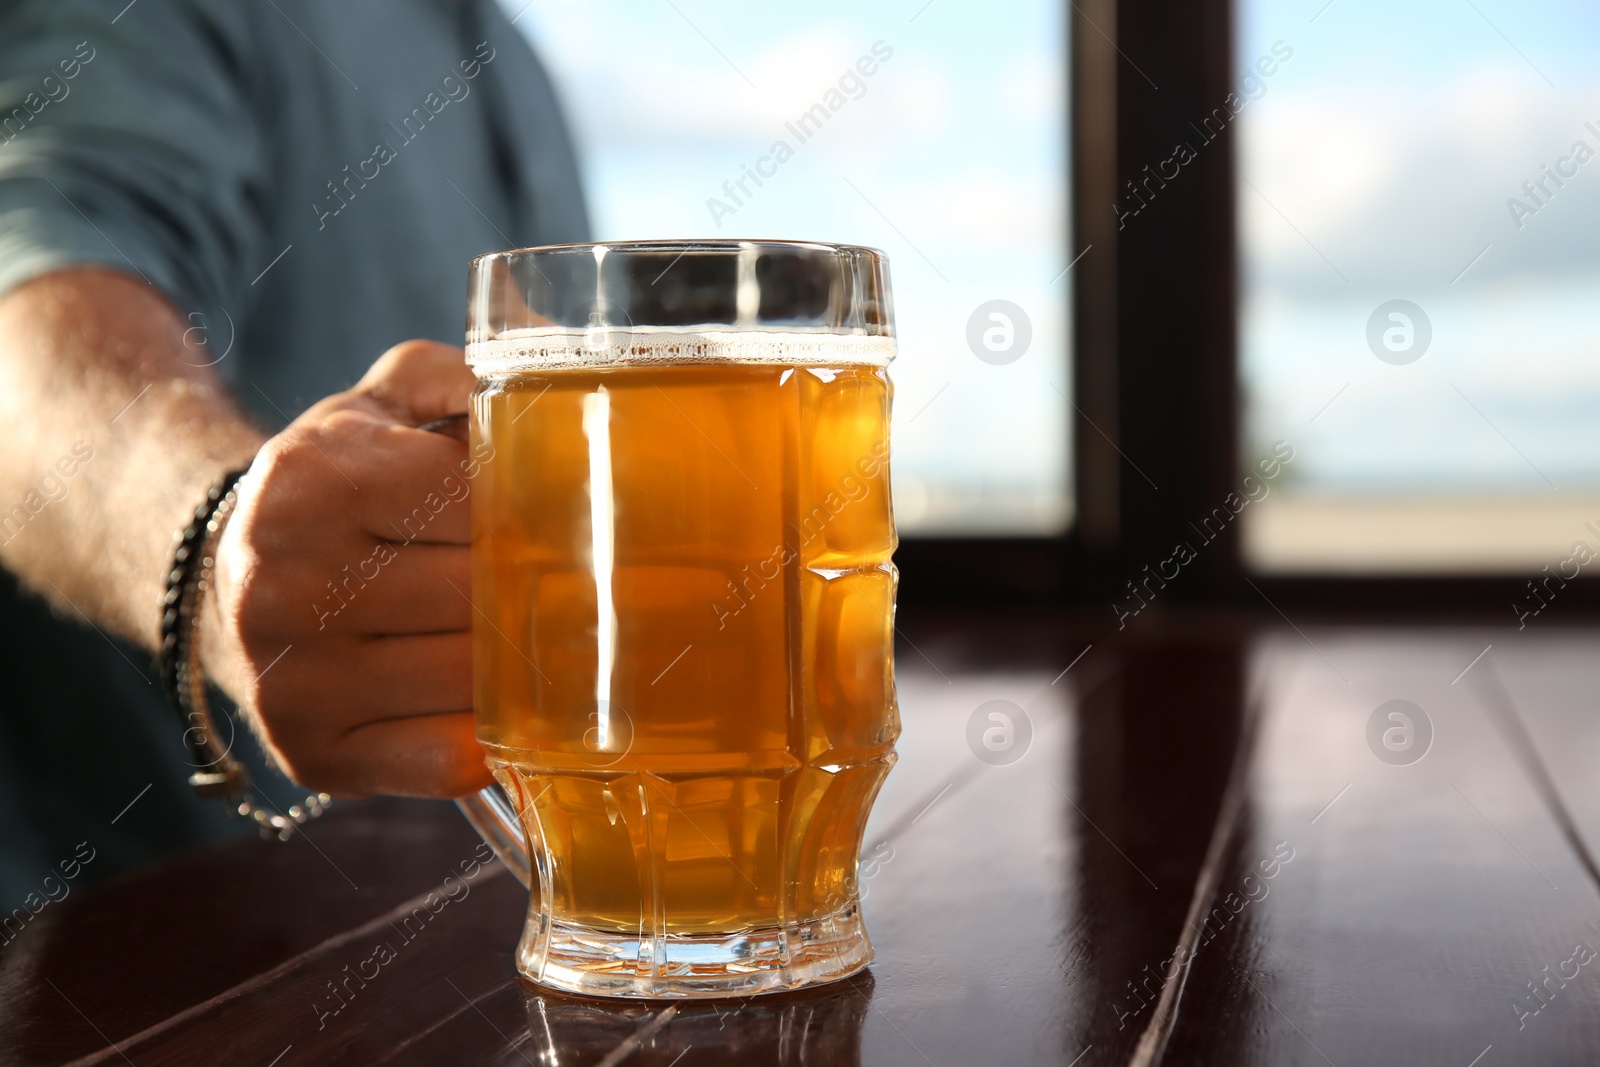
{"x": 218, "y": 773}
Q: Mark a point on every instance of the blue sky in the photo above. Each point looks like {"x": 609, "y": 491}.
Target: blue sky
{"x": 952, "y": 160}
{"x": 1382, "y": 160}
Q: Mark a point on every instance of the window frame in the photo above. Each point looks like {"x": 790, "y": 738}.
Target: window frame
{"x": 1143, "y": 458}
{"x": 1155, "y": 415}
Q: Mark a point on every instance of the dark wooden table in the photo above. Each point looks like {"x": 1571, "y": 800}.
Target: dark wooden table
{"x": 1199, "y": 857}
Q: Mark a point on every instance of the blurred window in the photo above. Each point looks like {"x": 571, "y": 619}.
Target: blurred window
{"x": 933, "y": 130}
{"x": 1419, "y": 212}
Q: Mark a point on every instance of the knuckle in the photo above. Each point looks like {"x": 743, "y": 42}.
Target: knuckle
{"x": 414, "y": 350}
{"x": 346, "y": 427}
{"x": 405, "y": 357}
{"x": 301, "y": 470}
{"x": 283, "y": 465}
{"x": 257, "y": 603}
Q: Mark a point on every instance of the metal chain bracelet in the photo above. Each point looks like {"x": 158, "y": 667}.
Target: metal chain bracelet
{"x": 218, "y": 772}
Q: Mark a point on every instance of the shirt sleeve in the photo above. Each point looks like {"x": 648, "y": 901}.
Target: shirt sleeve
{"x": 133, "y": 141}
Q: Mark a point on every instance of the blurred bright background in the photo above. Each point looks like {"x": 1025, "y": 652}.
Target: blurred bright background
{"x": 952, "y": 158}
{"x": 1377, "y": 167}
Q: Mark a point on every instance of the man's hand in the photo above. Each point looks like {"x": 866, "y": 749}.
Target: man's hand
{"x": 339, "y": 616}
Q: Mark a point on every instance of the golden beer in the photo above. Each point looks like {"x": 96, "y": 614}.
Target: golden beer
{"x": 684, "y": 656}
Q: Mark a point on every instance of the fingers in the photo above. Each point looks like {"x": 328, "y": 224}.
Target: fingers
{"x": 400, "y": 589}
{"x": 363, "y": 452}
{"x": 341, "y": 603}
{"x": 455, "y": 426}
{"x": 400, "y": 484}
{"x": 335, "y": 689}
{"x": 430, "y": 756}
{"x": 424, "y": 495}
{"x": 420, "y": 381}
{"x": 417, "y": 674}
{"x": 317, "y": 702}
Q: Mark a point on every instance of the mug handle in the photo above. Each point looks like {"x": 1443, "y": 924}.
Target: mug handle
{"x": 488, "y": 810}
{"x": 492, "y": 815}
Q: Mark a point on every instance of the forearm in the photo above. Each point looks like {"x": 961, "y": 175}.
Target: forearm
{"x": 114, "y": 429}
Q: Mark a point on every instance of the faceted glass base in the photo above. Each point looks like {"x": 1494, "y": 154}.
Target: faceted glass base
{"x": 768, "y": 959}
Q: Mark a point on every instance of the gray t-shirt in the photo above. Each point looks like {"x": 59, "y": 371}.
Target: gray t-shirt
{"x": 306, "y": 182}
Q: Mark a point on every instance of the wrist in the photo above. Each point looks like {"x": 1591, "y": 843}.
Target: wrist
{"x": 215, "y": 631}
{"x": 185, "y": 586}
{"x": 218, "y": 772}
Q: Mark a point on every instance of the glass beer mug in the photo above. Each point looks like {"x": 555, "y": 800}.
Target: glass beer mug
{"x": 683, "y": 636}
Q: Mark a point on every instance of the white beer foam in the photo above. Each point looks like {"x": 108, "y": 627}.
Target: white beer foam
{"x": 555, "y": 348}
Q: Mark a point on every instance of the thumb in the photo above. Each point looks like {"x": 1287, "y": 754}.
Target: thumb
{"x": 419, "y": 381}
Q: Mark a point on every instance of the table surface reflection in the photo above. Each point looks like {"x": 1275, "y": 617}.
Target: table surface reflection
{"x": 1203, "y": 839}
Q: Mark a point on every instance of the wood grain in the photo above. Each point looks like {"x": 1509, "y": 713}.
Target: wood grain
{"x": 1350, "y": 910}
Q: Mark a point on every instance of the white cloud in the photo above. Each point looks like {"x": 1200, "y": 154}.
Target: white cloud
{"x": 1405, "y": 190}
